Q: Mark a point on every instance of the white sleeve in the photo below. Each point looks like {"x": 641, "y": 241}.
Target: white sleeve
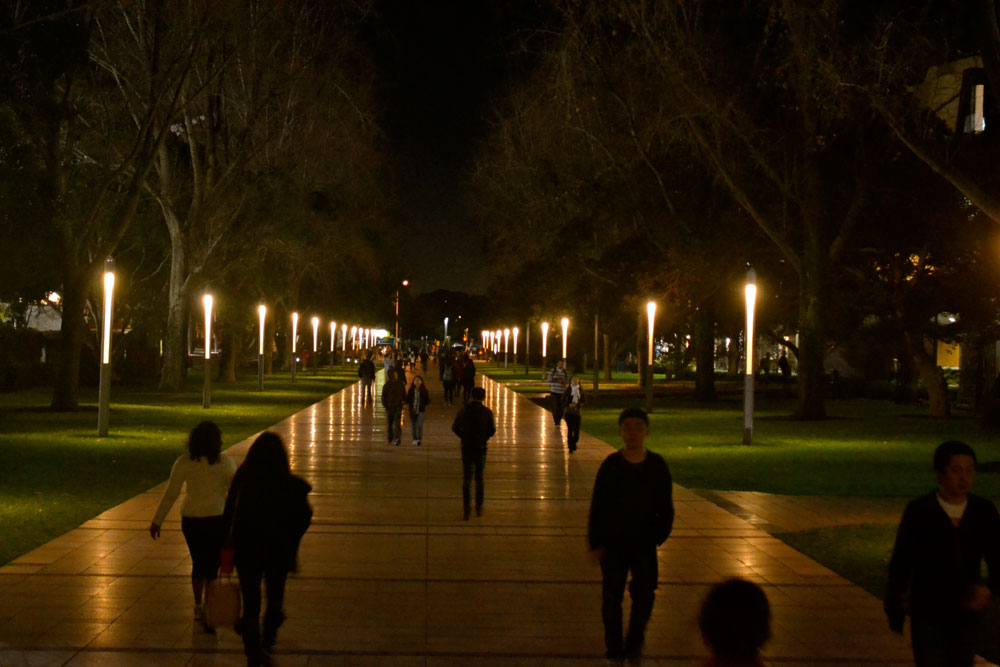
{"x": 177, "y": 475}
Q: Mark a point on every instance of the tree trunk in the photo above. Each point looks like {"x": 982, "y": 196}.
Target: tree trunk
{"x": 65, "y": 392}
{"x": 174, "y": 368}
{"x": 812, "y": 340}
{"x": 971, "y": 375}
{"x": 930, "y": 373}
{"x": 640, "y": 345}
{"x": 230, "y": 352}
{"x": 607, "y": 358}
{"x": 704, "y": 342}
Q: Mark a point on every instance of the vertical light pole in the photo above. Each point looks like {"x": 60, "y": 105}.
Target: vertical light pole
{"x": 206, "y": 391}
{"x": 315, "y": 354}
{"x": 262, "y": 314}
{"x": 333, "y": 343}
{"x": 751, "y": 297}
{"x": 506, "y": 343}
{"x": 565, "y": 330}
{"x": 404, "y": 284}
{"x": 445, "y": 330}
{"x": 496, "y": 342}
{"x": 596, "y": 351}
{"x": 343, "y": 342}
{"x": 515, "y": 331}
{"x": 527, "y": 348}
{"x": 651, "y": 316}
{"x": 545, "y": 343}
{"x": 104, "y": 393}
{"x": 486, "y": 336}
{"x": 295, "y": 335}
{"x": 354, "y": 337}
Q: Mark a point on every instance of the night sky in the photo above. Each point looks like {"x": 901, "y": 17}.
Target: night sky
{"x": 441, "y": 64}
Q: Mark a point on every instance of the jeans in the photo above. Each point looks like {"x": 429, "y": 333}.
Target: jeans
{"x": 250, "y": 577}
{"x": 366, "y": 389}
{"x": 948, "y": 641}
{"x": 555, "y": 400}
{"x": 573, "y": 422}
{"x": 418, "y": 425}
{"x": 473, "y": 462}
{"x": 615, "y": 566}
{"x": 394, "y": 416}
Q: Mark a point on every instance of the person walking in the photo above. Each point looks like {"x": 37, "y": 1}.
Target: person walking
{"x": 205, "y": 473}
{"x": 366, "y": 371}
{"x": 417, "y": 400}
{"x": 572, "y": 402}
{"x": 393, "y": 397}
{"x": 935, "y": 569}
{"x": 424, "y": 357}
{"x": 448, "y": 379}
{"x": 267, "y": 513}
{"x": 474, "y": 425}
{"x": 631, "y": 514}
{"x": 468, "y": 377}
{"x": 557, "y": 387}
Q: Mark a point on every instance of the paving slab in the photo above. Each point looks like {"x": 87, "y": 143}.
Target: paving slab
{"x": 392, "y": 575}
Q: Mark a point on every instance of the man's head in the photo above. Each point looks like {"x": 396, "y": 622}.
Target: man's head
{"x": 478, "y": 394}
{"x": 560, "y": 364}
{"x": 633, "y": 425}
{"x": 955, "y": 463}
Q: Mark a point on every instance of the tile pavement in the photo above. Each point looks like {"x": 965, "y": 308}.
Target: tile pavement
{"x": 391, "y": 574}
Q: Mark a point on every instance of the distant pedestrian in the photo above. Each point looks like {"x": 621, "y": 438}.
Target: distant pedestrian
{"x": 474, "y": 424}
{"x": 448, "y": 379}
{"x": 573, "y": 400}
{"x": 268, "y": 512}
{"x": 366, "y": 371}
{"x": 631, "y": 514}
{"x": 205, "y": 474}
{"x": 935, "y": 569}
{"x": 468, "y": 376}
{"x": 783, "y": 367}
{"x": 417, "y": 400}
{"x": 393, "y": 397}
{"x": 424, "y": 357}
{"x": 765, "y": 364}
{"x": 557, "y": 387}
{"x": 735, "y": 623}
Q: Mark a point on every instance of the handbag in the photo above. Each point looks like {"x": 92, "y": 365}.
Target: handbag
{"x": 223, "y": 602}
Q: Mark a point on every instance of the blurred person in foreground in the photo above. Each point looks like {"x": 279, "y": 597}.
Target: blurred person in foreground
{"x": 735, "y": 623}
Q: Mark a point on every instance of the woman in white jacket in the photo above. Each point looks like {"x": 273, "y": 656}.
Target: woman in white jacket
{"x": 205, "y": 474}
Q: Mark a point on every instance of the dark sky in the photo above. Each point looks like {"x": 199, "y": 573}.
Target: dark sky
{"x": 440, "y": 64}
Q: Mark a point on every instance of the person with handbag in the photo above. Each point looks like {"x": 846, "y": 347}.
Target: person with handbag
{"x": 267, "y": 511}
{"x": 573, "y": 399}
{"x": 205, "y": 474}
{"x": 417, "y": 400}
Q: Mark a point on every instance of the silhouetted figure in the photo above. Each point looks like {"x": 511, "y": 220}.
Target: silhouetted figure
{"x": 417, "y": 400}
{"x": 474, "y": 424}
{"x": 935, "y": 570}
{"x": 784, "y": 367}
{"x": 393, "y": 397}
{"x": 573, "y": 400}
{"x": 735, "y": 623}
{"x": 366, "y": 371}
{"x": 557, "y": 379}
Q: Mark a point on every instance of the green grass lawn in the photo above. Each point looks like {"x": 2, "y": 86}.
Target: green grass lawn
{"x": 858, "y": 553}
{"x": 56, "y": 473}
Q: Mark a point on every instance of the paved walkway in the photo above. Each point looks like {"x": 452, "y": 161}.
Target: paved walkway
{"x": 392, "y": 575}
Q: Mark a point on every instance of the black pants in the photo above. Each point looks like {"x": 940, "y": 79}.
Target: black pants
{"x": 250, "y": 577}
{"x": 473, "y": 462}
{"x": 573, "y": 420}
{"x": 615, "y": 566}
{"x": 467, "y": 390}
{"x": 947, "y": 641}
{"x": 556, "y": 401}
{"x": 204, "y": 536}
{"x": 449, "y": 391}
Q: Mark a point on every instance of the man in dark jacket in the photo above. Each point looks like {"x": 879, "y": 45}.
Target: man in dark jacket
{"x": 393, "y": 396}
{"x": 631, "y": 514}
{"x": 366, "y": 371}
{"x": 475, "y": 426}
{"x": 940, "y": 545}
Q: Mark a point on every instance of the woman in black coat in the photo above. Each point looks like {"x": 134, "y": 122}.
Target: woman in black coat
{"x": 417, "y": 399}
{"x": 573, "y": 400}
{"x": 267, "y": 512}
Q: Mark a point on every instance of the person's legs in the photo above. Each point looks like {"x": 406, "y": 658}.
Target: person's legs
{"x": 613, "y": 574}
{"x": 642, "y": 590}
{"x": 250, "y": 576}
{"x": 388, "y": 424}
{"x": 274, "y": 616}
{"x": 468, "y": 466}
{"x": 480, "y": 464}
{"x": 943, "y": 642}
{"x": 555, "y": 400}
{"x": 204, "y": 536}
{"x": 573, "y": 436}
{"x": 418, "y": 427}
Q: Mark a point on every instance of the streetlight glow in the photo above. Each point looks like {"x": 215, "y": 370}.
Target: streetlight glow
{"x": 207, "y": 300}
{"x": 262, "y": 313}
{"x": 295, "y": 331}
{"x": 515, "y": 331}
{"x": 343, "y": 337}
{"x": 506, "y": 340}
{"x": 748, "y": 389}
{"x": 333, "y": 339}
{"x": 315, "y": 323}
{"x": 565, "y": 329}
{"x": 651, "y": 314}
{"x": 109, "y": 291}
{"x": 545, "y": 338}
{"x": 751, "y": 297}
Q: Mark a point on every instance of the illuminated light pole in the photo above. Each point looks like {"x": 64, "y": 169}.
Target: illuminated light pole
{"x": 751, "y": 297}
{"x": 496, "y": 342}
{"x": 515, "y": 331}
{"x": 333, "y": 343}
{"x": 404, "y": 284}
{"x": 315, "y": 323}
{"x": 445, "y": 329}
{"x": 651, "y": 316}
{"x": 486, "y": 335}
{"x": 343, "y": 342}
{"x": 104, "y": 393}
{"x": 262, "y": 314}
{"x": 565, "y": 330}
{"x": 354, "y": 337}
{"x": 295, "y": 335}
{"x": 206, "y": 392}
{"x": 506, "y": 343}
{"x": 545, "y": 343}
